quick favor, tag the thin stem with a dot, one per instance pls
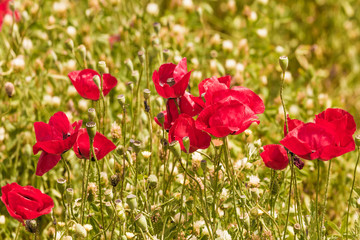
(289, 199)
(351, 191)
(83, 191)
(18, 231)
(317, 197)
(183, 187)
(322, 219)
(67, 169)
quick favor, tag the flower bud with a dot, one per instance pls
(130, 85)
(157, 27)
(102, 67)
(115, 179)
(104, 180)
(357, 140)
(284, 62)
(129, 64)
(80, 231)
(118, 167)
(91, 130)
(61, 184)
(136, 145)
(121, 99)
(141, 56)
(152, 181)
(82, 51)
(120, 150)
(297, 228)
(161, 118)
(92, 114)
(109, 209)
(203, 165)
(69, 44)
(97, 81)
(31, 225)
(254, 212)
(131, 201)
(9, 89)
(108, 194)
(175, 148)
(91, 192)
(166, 54)
(69, 195)
(140, 221)
(186, 142)
(147, 93)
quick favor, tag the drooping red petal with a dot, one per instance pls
(46, 163)
(60, 125)
(275, 156)
(180, 70)
(189, 104)
(109, 82)
(292, 124)
(84, 83)
(104, 146)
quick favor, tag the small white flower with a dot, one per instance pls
(60, 7)
(279, 49)
(146, 154)
(223, 235)
(88, 227)
(227, 45)
(71, 31)
(262, 32)
(240, 67)
(83, 105)
(27, 44)
(188, 4)
(2, 219)
(152, 8)
(253, 16)
(254, 181)
(230, 64)
(129, 235)
(2, 134)
(55, 101)
(18, 63)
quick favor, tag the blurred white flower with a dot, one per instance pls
(27, 44)
(152, 8)
(254, 181)
(83, 105)
(18, 63)
(262, 32)
(230, 64)
(55, 101)
(2, 219)
(227, 45)
(71, 31)
(223, 235)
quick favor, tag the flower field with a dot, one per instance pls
(179, 119)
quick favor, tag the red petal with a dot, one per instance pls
(180, 70)
(84, 83)
(275, 156)
(103, 145)
(109, 82)
(46, 163)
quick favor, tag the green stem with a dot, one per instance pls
(67, 169)
(289, 200)
(351, 191)
(18, 231)
(83, 194)
(317, 197)
(322, 219)
(183, 187)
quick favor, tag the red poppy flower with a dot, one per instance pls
(209, 86)
(190, 105)
(292, 123)
(172, 80)
(275, 156)
(314, 141)
(54, 138)
(232, 112)
(5, 10)
(25, 203)
(102, 145)
(167, 124)
(338, 119)
(184, 126)
(85, 86)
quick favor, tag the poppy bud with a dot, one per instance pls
(284, 62)
(9, 89)
(175, 148)
(357, 140)
(129, 64)
(61, 184)
(69, 195)
(157, 27)
(130, 85)
(141, 56)
(31, 225)
(97, 81)
(186, 142)
(92, 192)
(80, 231)
(104, 180)
(108, 194)
(115, 179)
(161, 118)
(147, 93)
(136, 145)
(91, 130)
(140, 221)
(69, 44)
(203, 165)
(254, 212)
(121, 99)
(152, 181)
(166, 54)
(82, 51)
(109, 209)
(120, 150)
(92, 114)
(102, 67)
(131, 201)
(297, 228)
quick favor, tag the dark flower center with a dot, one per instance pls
(170, 81)
(66, 135)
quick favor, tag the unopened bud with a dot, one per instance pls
(109, 208)
(115, 179)
(61, 184)
(130, 85)
(161, 118)
(357, 140)
(141, 222)
(80, 231)
(31, 225)
(284, 62)
(120, 150)
(152, 181)
(70, 44)
(92, 114)
(203, 165)
(108, 194)
(82, 51)
(121, 99)
(97, 81)
(102, 67)
(129, 64)
(69, 195)
(175, 148)
(186, 143)
(9, 89)
(104, 180)
(147, 93)
(141, 56)
(297, 228)
(157, 27)
(91, 130)
(131, 201)
(136, 145)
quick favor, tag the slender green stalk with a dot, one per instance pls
(67, 169)
(289, 200)
(351, 191)
(184, 182)
(322, 219)
(317, 197)
(150, 140)
(83, 189)
(18, 231)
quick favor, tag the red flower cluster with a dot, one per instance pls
(85, 86)
(329, 136)
(221, 111)
(5, 10)
(25, 203)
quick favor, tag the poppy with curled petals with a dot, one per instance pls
(85, 86)
(25, 203)
(209, 86)
(184, 126)
(54, 138)
(317, 141)
(291, 124)
(275, 157)
(102, 145)
(171, 80)
(5, 10)
(232, 111)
